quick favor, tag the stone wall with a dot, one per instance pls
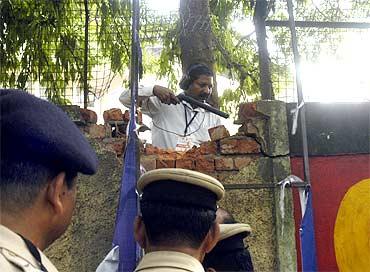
(248, 164)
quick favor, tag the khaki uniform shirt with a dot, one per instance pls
(15, 256)
(166, 261)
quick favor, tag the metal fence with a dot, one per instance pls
(333, 39)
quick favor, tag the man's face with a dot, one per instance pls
(201, 88)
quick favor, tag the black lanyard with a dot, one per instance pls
(34, 252)
(186, 120)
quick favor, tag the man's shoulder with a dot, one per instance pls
(15, 256)
(12, 262)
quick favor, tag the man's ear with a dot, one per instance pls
(212, 237)
(55, 191)
(139, 232)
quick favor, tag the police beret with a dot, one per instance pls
(231, 238)
(180, 187)
(35, 129)
(228, 230)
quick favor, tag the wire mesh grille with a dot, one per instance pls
(342, 49)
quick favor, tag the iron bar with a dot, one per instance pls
(302, 114)
(253, 186)
(86, 53)
(317, 24)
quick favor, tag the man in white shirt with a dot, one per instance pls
(178, 125)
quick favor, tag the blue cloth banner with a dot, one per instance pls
(129, 251)
(127, 209)
(307, 235)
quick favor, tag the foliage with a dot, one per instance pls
(44, 41)
(236, 55)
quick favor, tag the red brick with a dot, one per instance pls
(241, 162)
(149, 163)
(165, 155)
(126, 116)
(150, 149)
(165, 163)
(185, 164)
(249, 129)
(96, 131)
(112, 115)
(223, 163)
(218, 133)
(247, 111)
(89, 116)
(192, 154)
(208, 148)
(205, 164)
(239, 146)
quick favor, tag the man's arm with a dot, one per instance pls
(150, 98)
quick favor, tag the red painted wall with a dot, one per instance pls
(331, 177)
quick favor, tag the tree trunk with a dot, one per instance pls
(260, 13)
(195, 38)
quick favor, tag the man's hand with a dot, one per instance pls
(165, 95)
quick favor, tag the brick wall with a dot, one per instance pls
(249, 157)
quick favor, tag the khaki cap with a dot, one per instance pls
(228, 230)
(184, 176)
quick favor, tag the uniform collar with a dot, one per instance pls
(13, 243)
(169, 259)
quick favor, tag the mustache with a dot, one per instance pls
(204, 96)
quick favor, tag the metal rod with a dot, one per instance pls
(86, 54)
(253, 186)
(317, 24)
(302, 114)
(134, 78)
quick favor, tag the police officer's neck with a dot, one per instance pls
(196, 253)
(24, 224)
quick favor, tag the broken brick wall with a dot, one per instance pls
(255, 156)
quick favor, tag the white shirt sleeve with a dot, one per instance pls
(110, 262)
(218, 121)
(150, 103)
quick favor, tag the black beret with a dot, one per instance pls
(32, 128)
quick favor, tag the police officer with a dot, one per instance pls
(177, 224)
(42, 151)
(230, 253)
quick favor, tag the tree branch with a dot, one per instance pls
(231, 63)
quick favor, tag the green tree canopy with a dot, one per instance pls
(43, 41)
